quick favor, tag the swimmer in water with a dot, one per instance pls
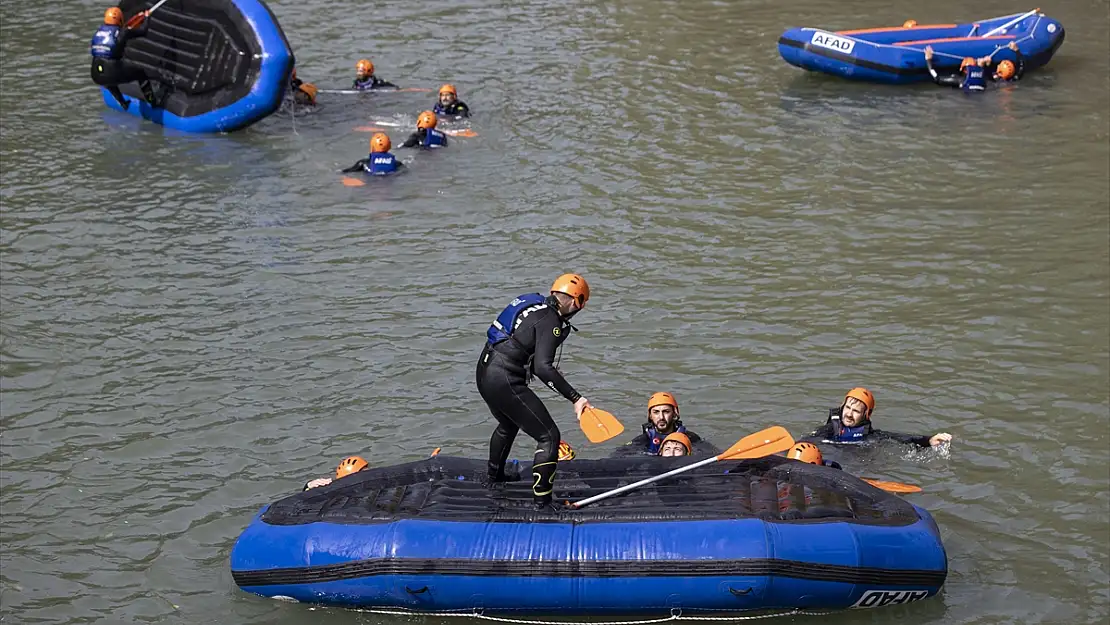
(365, 80)
(304, 93)
(380, 162)
(426, 135)
(972, 77)
(349, 466)
(449, 104)
(851, 423)
(1010, 71)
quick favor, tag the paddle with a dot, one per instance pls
(1010, 23)
(138, 18)
(454, 132)
(599, 426)
(435, 452)
(892, 487)
(352, 182)
(359, 91)
(770, 441)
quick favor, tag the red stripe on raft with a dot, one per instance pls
(949, 39)
(892, 28)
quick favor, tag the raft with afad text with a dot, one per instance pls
(434, 536)
(895, 55)
(224, 64)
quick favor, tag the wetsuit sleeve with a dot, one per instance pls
(1020, 63)
(385, 84)
(543, 363)
(948, 80)
(825, 431)
(412, 141)
(464, 110)
(907, 439)
(356, 167)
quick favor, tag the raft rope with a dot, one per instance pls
(676, 615)
(957, 56)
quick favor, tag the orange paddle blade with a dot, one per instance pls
(368, 129)
(464, 132)
(414, 90)
(764, 443)
(352, 182)
(435, 452)
(137, 19)
(599, 426)
(892, 487)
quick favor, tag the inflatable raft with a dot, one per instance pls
(896, 54)
(226, 64)
(734, 536)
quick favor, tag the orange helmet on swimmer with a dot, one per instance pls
(680, 437)
(806, 452)
(448, 89)
(573, 285)
(364, 67)
(909, 23)
(1005, 70)
(350, 465)
(380, 143)
(662, 399)
(113, 16)
(566, 452)
(426, 120)
(864, 396)
(968, 61)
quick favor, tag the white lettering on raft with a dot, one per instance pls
(878, 598)
(832, 42)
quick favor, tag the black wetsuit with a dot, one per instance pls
(972, 79)
(373, 82)
(418, 139)
(108, 68)
(827, 433)
(502, 378)
(458, 109)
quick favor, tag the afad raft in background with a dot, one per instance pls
(896, 54)
(227, 63)
(738, 535)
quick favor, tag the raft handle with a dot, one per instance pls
(739, 593)
(422, 590)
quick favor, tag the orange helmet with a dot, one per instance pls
(566, 452)
(662, 399)
(909, 23)
(966, 62)
(113, 16)
(573, 285)
(680, 437)
(448, 89)
(427, 119)
(364, 67)
(380, 143)
(1005, 70)
(354, 464)
(806, 452)
(864, 396)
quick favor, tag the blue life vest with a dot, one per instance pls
(104, 42)
(380, 164)
(434, 138)
(843, 434)
(363, 85)
(454, 109)
(502, 327)
(975, 80)
(653, 438)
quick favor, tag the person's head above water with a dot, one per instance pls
(113, 16)
(858, 405)
(448, 95)
(350, 465)
(426, 120)
(572, 292)
(663, 412)
(676, 444)
(967, 62)
(909, 23)
(806, 452)
(364, 68)
(1006, 70)
(380, 143)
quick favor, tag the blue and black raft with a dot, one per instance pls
(895, 54)
(433, 536)
(223, 64)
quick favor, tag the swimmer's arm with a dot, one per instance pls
(906, 439)
(1020, 63)
(543, 363)
(412, 141)
(464, 110)
(950, 80)
(356, 167)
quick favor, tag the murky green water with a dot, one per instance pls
(192, 326)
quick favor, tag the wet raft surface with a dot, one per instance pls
(455, 489)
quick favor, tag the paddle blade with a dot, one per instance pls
(368, 129)
(892, 487)
(435, 452)
(352, 182)
(413, 90)
(599, 426)
(465, 132)
(764, 443)
(137, 19)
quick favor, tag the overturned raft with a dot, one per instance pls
(432, 536)
(225, 64)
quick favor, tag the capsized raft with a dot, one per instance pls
(227, 62)
(896, 54)
(742, 535)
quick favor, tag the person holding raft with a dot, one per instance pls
(426, 135)
(851, 423)
(304, 93)
(522, 342)
(1010, 71)
(380, 162)
(971, 78)
(109, 70)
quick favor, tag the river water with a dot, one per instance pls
(194, 326)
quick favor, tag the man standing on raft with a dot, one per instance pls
(109, 70)
(522, 341)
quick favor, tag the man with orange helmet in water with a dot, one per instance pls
(851, 423)
(662, 420)
(380, 162)
(365, 80)
(449, 104)
(971, 78)
(109, 69)
(1010, 71)
(426, 135)
(521, 342)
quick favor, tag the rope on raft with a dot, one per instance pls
(676, 615)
